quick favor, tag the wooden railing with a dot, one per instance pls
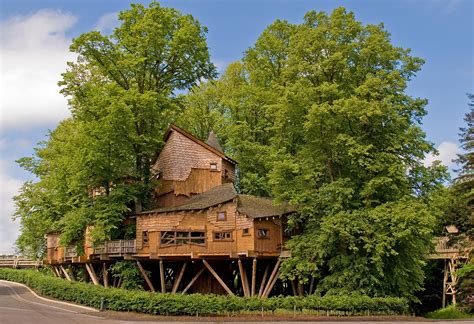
(12, 261)
(116, 247)
(443, 248)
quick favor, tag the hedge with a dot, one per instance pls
(198, 304)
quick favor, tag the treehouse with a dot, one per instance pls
(202, 236)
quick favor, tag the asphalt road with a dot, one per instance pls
(18, 305)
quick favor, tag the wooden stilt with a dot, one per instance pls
(178, 278)
(162, 277)
(71, 273)
(293, 287)
(66, 275)
(145, 276)
(311, 286)
(445, 281)
(270, 280)
(55, 272)
(105, 275)
(254, 276)
(208, 266)
(272, 284)
(193, 280)
(243, 279)
(264, 279)
(92, 274)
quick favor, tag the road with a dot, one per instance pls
(18, 305)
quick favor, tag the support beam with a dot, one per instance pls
(92, 274)
(70, 270)
(243, 279)
(105, 275)
(270, 280)
(66, 275)
(445, 282)
(145, 276)
(264, 281)
(179, 278)
(208, 266)
(55, 272)
(272, 284)
(162, 277)
(254, 276)
(193, 280)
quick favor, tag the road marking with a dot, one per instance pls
(47, 299)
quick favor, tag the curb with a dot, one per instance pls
(51, 300)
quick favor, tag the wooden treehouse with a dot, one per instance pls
(202, 237)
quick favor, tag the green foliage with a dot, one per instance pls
(177, 304)
(316, 114)
(121, 91)
(450, 312)
(129, 273)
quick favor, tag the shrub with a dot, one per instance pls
(450, 312)
(177, 304)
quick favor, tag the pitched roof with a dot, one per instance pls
(252, 206)
(258, 207)
(198, 141)
(213, 141)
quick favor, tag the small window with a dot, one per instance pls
(213, 166)
(145, 238)
(222, 236)
(262, 233)
(221, 216)
(246, 231)
(226, 173)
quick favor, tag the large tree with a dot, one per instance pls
(122, 96)
(317, 114)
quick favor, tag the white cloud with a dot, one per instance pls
(107, 23)
(9, 230)
(33, 54)
(447, 153)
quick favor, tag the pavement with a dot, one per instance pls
(20, 305)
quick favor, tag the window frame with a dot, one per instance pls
(248, 232)
(224, 239)
(145, 239)
(225, 216)
(181, 238)
(213, 166)
(267, 233)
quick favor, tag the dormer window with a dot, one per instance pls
(213, 166)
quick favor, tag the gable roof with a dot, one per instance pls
(252, 206)
(198, 141)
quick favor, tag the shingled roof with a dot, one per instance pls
(252, 206)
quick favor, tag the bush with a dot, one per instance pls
(450, 312)
(177, 304)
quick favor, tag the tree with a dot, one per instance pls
(317, 115)
(122, 96)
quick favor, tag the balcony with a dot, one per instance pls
(116, 247)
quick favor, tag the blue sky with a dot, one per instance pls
(35, 34)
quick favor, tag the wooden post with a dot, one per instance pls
(193, 280)
(66, 275)
(71, 273)
(208, 266)
(92, 274)
(55, 272)
(254, 276)
(105, 275)
(243, 279)
(311, 285)
(445, 282)
(270, 280)
(178, 278)
(300, 289)
(269, 290)
(143, 272)
(162, 277)
(293, 287)
(264, 279)
(454, 279)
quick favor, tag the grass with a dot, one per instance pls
(450, 312)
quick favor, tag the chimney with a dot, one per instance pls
(213, 141)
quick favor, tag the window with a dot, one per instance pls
(182, 237)
(221, 216)
(213, 166)
(222, 236)
(262, 233)
(145, 238)
(226, 173)
(246, 231)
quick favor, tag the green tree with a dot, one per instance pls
(122, 96)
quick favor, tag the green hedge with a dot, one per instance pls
(197, 304)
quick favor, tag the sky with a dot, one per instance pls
(35, 36)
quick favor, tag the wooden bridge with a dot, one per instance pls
(17, 262)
